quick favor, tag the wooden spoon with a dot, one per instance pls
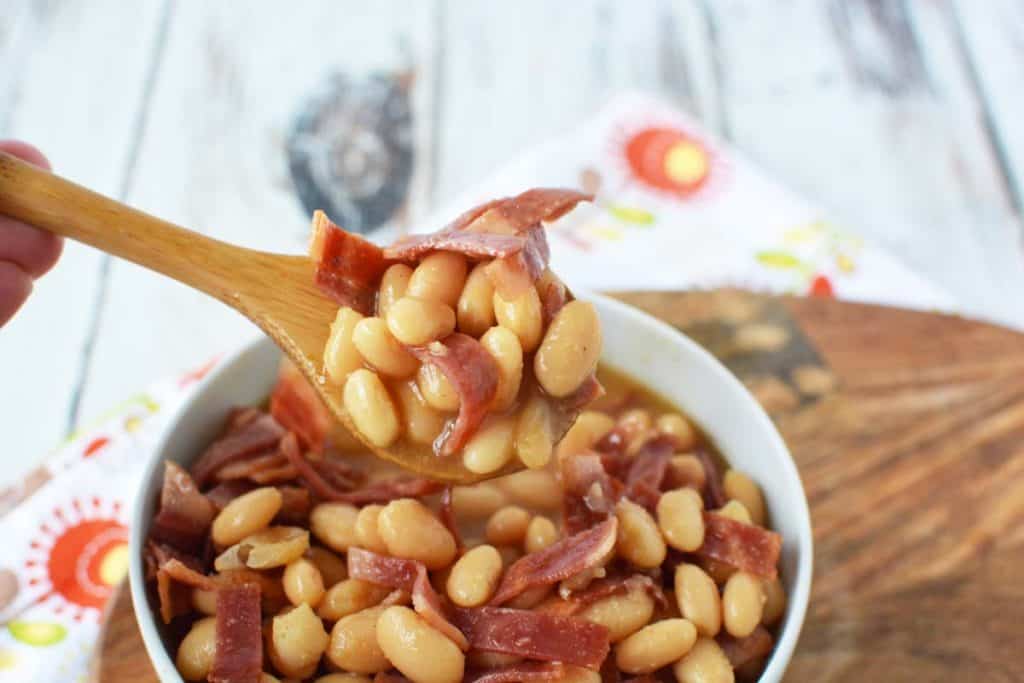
(275, 291)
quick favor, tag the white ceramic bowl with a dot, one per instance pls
(645, 348)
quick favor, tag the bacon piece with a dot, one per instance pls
(534, 635)
(499, 218)
(512, 275)
(238, 657)
(473, 374)
(743, 651)
(392, 489)
(295, 505)
(553, 295)
(225, 492)
(185, 514)
(253, 437)
(472, 244)
(647, 471)
(447, 515)
(296, 406)
(427, 604)
(596, 591)
(348, 267)
(253, 466)
(173, 577)
(614, 442)
(337, 473)
(521, 672)
(272, 596)
(157, 554)
(406, 575)
(562, 559)
(714, 491)
(739, 545)
(241, 416)
(589, 492)
(383, 570)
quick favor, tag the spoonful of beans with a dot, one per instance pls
(456, 354)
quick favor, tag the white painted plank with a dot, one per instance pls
(516, 74)
(868, 111)
(78, 91)
(213, 159)
(993, 34)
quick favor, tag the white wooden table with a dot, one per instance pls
(903, 118)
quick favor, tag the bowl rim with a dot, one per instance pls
(797, 601)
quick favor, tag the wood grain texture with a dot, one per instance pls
(72, 83)
(911, 461)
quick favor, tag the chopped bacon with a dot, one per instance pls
(553, 295)
(272, 596)
(472, 244)
(614, 442)
(647, 471)
(337, 473)
(238, 655)
(589, 391)
(512, 275)
(295, 505)
(348, 267)
(742, 546)
(250, 468)
(428, 605)
(389, 490)
(172, 579)
(564, 558)
(473, 373)
(383, 570)
(534, 635)
(742, 651)
(241, 416)
(253, 437)
(521, 672)
(406, 575)
(600, 589)
(498, 218)
(225, 492)
(447, 514)
(714, 491)
(185, 514)
(157, 554)
(589, 492)
(296, 406)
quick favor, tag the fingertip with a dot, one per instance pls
(15, 287)
(25, 151)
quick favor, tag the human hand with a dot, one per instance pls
(25, 252)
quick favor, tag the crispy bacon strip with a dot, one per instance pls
(534, 635)
(185, 514)
(238, 657)
(473, 374)
(600, 589)
(742, 651)
(297, 408)
(392, 489)
(647, 471)
(157, 554)
(739, 545)
(589, 492)
(447, 515)
(563, 559)
(253, 437)
(522, 672)
(225, 492)
(406, 575)
(504, 218)
(512, 275)
(348, 267)
(253, 466)
(714, 491)
(295, 505)
(172, 577)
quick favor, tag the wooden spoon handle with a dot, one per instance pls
(47, 201)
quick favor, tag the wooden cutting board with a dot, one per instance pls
(908, 429)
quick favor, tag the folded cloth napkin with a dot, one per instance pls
(674, 209)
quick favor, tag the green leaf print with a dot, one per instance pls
(780, 259)
(632, 215)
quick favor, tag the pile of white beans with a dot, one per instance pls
(331, 622)
(390, 395)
